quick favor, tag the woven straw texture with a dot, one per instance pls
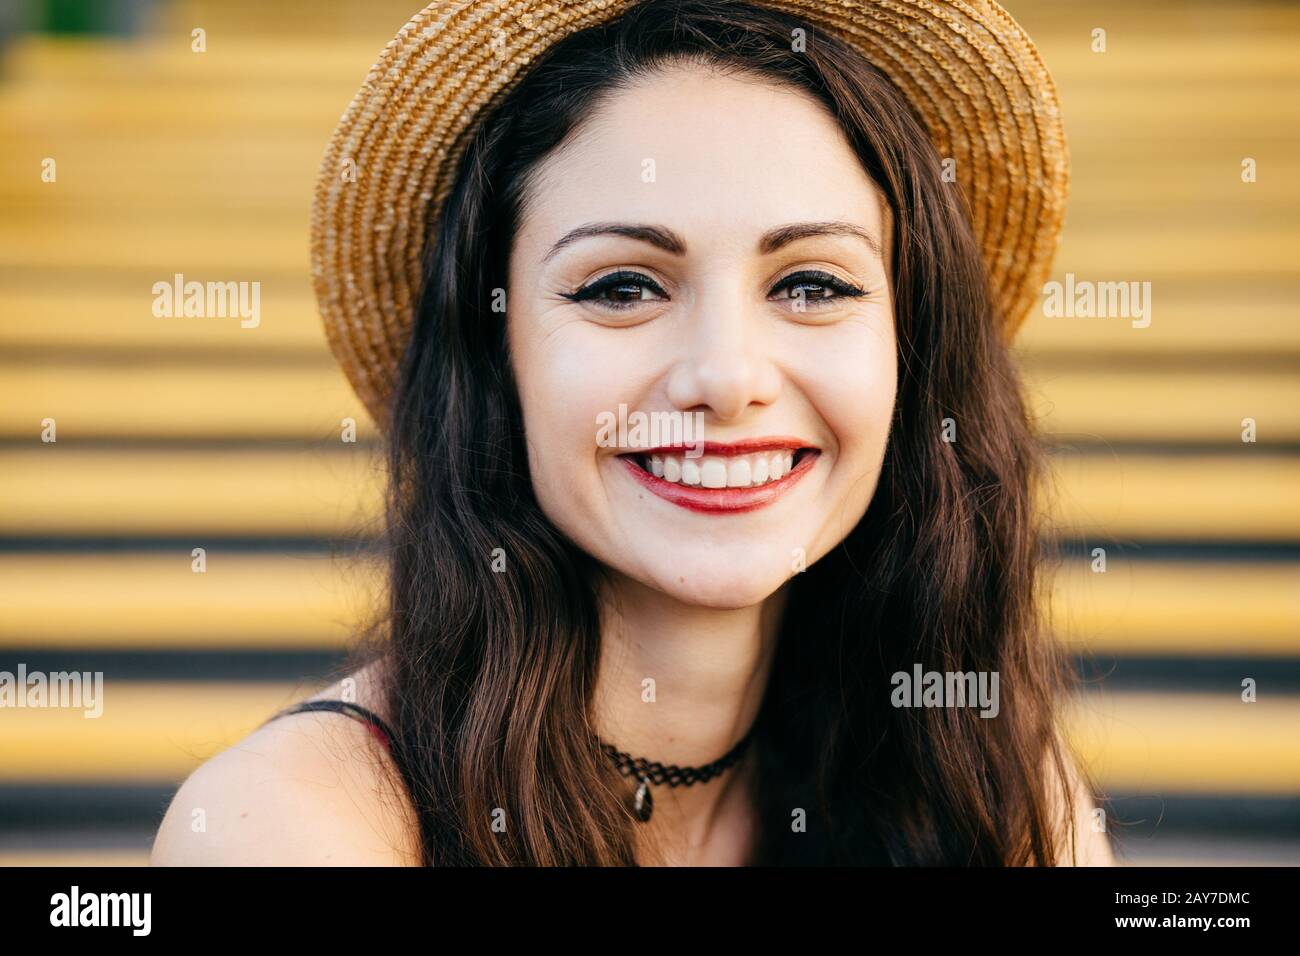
(967, 67)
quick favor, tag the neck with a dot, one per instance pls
(682, 684)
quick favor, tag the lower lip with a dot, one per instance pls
(722, 500)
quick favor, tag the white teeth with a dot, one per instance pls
(712, 471)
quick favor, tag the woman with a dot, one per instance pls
(726, 216)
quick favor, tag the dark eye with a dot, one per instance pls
(818, 286)
(625, 289)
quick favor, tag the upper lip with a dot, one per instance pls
(748, 446)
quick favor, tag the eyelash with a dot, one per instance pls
(616, 280)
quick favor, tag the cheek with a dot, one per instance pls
(567, 380)
(850, 375)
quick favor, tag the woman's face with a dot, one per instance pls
(732, 313)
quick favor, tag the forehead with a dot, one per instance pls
(706, 154)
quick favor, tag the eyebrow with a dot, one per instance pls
(669, 241)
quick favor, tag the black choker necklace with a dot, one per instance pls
(648, 772)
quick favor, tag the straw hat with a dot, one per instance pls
(966, 66)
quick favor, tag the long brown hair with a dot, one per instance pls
(489, 674)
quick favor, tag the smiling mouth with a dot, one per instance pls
(727, 483)
(717, 471)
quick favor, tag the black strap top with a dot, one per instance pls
(374, 723)
(809, 849)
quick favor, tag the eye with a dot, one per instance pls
(818, 286)
(625, 286)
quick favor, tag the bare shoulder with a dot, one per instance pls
(307, 789)
(1083, 842)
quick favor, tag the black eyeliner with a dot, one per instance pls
(817, 277)
(612, 281)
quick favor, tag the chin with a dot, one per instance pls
(708, 588)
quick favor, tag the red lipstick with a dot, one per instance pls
(725, 500)
(748, 446)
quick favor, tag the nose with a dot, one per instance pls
(724, 365)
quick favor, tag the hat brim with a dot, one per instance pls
(967, 68)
